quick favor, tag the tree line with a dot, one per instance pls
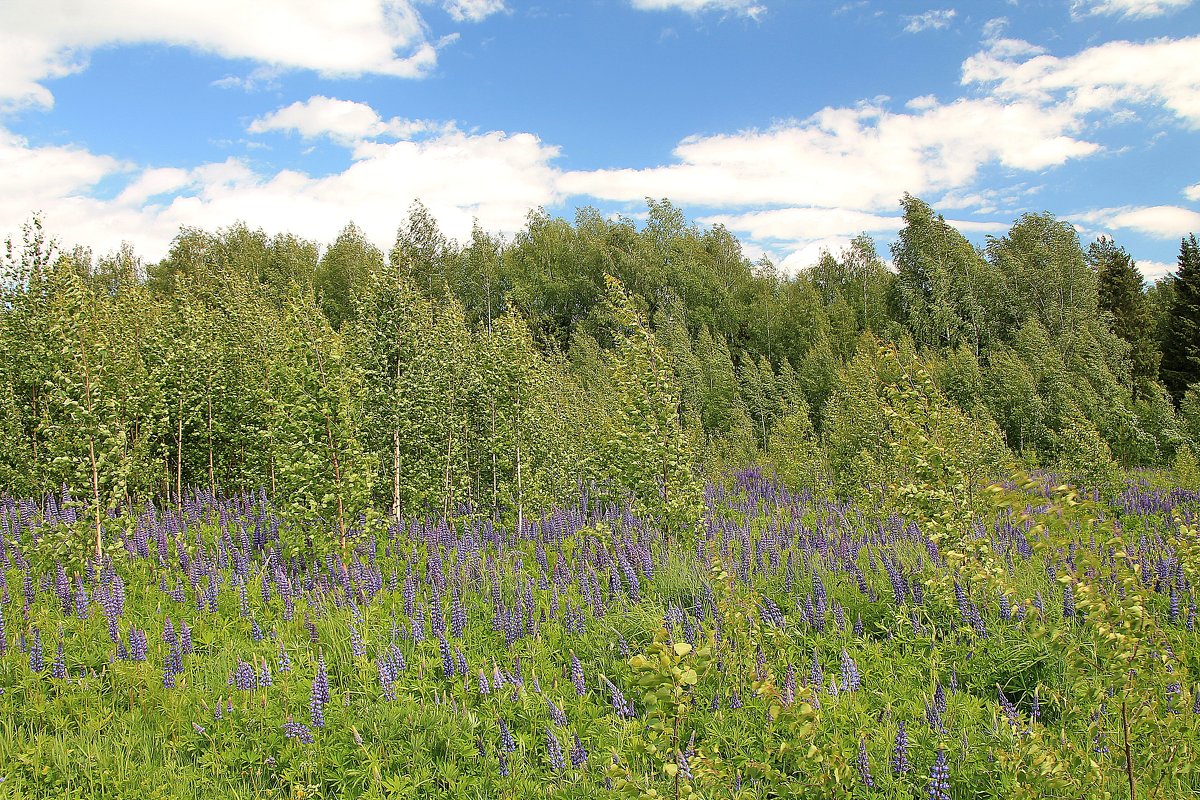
(501, 375)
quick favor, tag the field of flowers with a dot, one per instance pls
(789, 647)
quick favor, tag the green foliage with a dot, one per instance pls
(888, 428)
(648, 455)
(1181, 334)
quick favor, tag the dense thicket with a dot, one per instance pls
(501, 374)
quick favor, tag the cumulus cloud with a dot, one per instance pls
(1164, 222)
(1192, 192)
(343, 121)
(45, 39)
(934, 19)
(861, 158)
(494, 177)
(1120, 73)
(473, 10)
(1154, 270)
(1132, 9)
(747, 8)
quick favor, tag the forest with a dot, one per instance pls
(602, 507)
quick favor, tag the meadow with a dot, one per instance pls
(788, 646)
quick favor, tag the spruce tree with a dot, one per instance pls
(1120, 286)
(1181, 345)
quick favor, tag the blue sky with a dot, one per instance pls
(796, 124)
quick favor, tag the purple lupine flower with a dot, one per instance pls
(386, 678)
(1068, 601)
(623, 708)
(244, 679)
(460, 661)
(256, 632)
(503, 764)
(58, 670)
(507, 743)
(817, 676)
(298, 731)
(851, 680)
(449, 669)
(900, 764)
(577, 675)
(556, 714)
(316, 710)
(735, 700)
(939, 779)
(36, 662)
(578, 753)
(264, 675)
(789, 684)
(285, 661)
(485, 688)
(1010, 711)
(458, 614)
(681, 762)
(198, 728)
(81, 599)
(357, 649)
(185, 639)
(138, 646)
(864, 765)
(554, 752)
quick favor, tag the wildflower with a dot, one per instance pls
(577, 675)
(185, 639)
(864, 765)
(138, 646)
(900, 764)
(58, 670)
(578, 753)
(851, 680)
(939, 779)
(681, 762)
(507, 743)
(36, 662)
(556, 714)
(244, 678)
(554, 752)
(298, 731)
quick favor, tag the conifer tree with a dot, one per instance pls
(1121, 294)
(1181, 343)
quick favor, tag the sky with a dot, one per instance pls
(796, 124)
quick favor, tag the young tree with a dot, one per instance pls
(1121, 294)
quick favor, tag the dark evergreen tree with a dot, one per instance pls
(1181, 343)
(1120, 285)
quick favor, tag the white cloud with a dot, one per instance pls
(747, 8)
(934, 19)
(45, 39)
(1154, 270)
(1164, 222)
(494, 177)
(1133, 9)
(861, 158)
(1192, 192)
(1161, 71)
(473, 10)
(343, 121)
